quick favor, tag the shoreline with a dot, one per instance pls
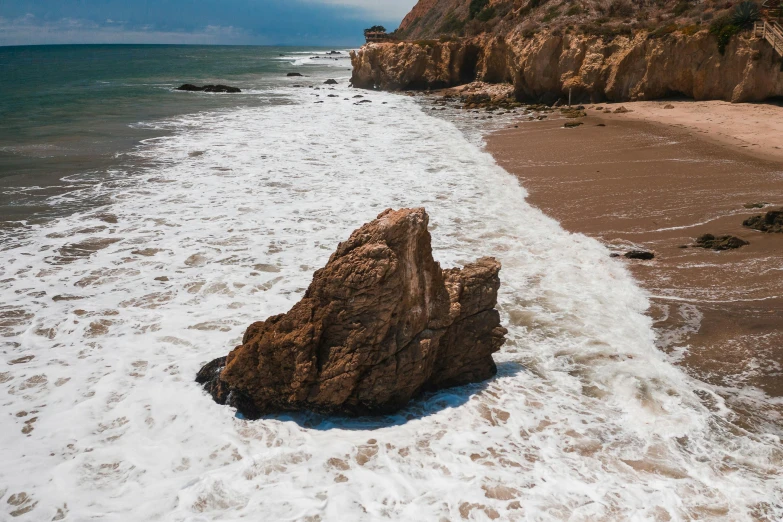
(647, 180)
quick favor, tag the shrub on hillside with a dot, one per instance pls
(681, 7)
(452, 24)
(723, 29)
(745, 14)
(486, 15)
(476, 6)
(621, 8)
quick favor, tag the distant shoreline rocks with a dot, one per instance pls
(640, 254)
(189, 87)
(771, 222)
(712, 242)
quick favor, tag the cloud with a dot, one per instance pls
(384, 10)
(28, 30)
(284, 22)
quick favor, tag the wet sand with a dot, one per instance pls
(641, 185)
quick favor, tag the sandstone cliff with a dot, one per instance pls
(545, 66)
(380, 323)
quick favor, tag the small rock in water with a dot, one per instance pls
(755, 205)
(772, 221)
(293, 74)
(208, 88)
(380, 324)
(639, 254)
(572, 124)
(720, 242)
(330, 82)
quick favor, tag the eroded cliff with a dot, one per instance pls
(545, 66)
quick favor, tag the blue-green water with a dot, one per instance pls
(76, 109)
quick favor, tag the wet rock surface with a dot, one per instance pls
(772, 221)
(720, 242)
(640, 254)
(379, 324)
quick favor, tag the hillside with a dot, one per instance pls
(457, 18)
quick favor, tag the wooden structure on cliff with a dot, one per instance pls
(772, 32)
(377, 36)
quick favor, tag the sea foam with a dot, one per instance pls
(120, 307)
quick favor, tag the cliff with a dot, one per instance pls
(543, 67)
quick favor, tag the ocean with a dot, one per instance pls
(145, 229)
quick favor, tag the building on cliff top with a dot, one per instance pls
(377, 33)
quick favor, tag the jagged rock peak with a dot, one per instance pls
(379, 324)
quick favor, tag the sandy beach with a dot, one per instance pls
(655, 179)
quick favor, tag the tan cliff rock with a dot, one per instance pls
(379, 324)
(546, 66)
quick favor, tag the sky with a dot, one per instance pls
(238, 22)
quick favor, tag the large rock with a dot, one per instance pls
(379, 324)
(772, 221)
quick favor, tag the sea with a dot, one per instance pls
(144, 228)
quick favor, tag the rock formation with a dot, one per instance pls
(772, 221)
(208, 88)
(544, 67)
(712, 242)
(640, 254)
(379, 324)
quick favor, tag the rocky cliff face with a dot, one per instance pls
(544, 67)
(380, 323)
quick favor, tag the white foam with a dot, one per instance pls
(586, 420)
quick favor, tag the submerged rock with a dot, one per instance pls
(294, 75)
(379, 324)
(720, 242)
(208, 88)
(772, 221)
(330, 82)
